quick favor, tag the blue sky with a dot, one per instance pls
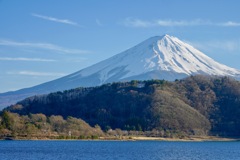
(44, 40)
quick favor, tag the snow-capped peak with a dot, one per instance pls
(161, 54)
(161, 57)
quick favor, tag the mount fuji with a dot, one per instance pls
(161, 57)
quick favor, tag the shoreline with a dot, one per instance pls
(135, 138)
(190, 139)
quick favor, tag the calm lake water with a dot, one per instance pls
(118, 150)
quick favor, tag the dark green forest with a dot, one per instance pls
(197, 105)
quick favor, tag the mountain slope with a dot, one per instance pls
(161, 57)
(125, 105)
(194, 105)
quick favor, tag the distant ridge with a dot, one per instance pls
(161, 57)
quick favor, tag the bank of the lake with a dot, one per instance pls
(193, 139)
(130, 138)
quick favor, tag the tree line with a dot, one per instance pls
(197, 105)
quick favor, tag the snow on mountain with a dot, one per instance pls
(164, 57)
(161, 57)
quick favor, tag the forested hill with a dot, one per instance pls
(197, 105)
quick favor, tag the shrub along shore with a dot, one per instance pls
(40, 127)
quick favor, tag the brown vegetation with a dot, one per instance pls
(197, 105)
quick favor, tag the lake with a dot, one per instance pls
(118, 150)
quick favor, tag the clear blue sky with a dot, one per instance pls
(46, 39)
